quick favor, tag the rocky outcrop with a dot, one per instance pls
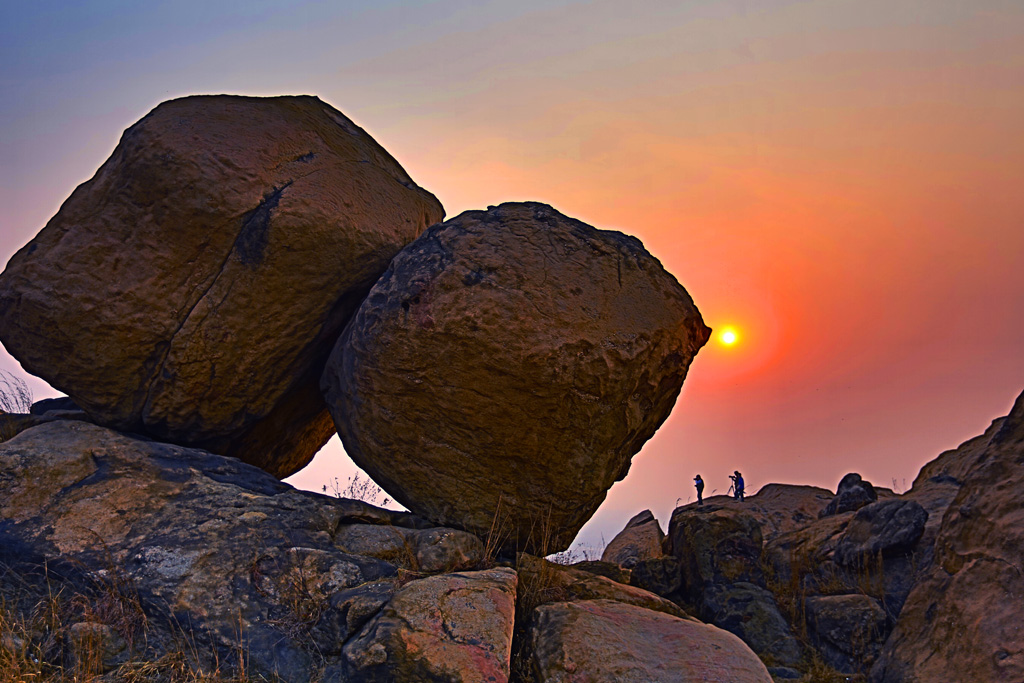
(852, 494)
(187, 542)
(719, 551)
(963, 620)
(193, 288)
(640, 539)
(501, 374)
(603, 640)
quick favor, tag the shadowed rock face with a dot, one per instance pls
(193, 288)
(963, 620)
(506, 368)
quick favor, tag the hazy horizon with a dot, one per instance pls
(839, 181)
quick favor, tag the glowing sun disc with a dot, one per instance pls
(728, 336)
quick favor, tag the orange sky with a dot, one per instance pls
(841, 181)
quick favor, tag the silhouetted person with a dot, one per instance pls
(737, 484)
(699, 483)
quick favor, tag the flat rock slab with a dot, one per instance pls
(503, 372)
(193, 288)
(603, 640)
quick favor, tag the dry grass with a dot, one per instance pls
(39, 641)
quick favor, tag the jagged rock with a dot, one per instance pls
(852, 494)
(640, 539)
(603, 640)
(848, 630)
(185, 541)
(451, 627)
(963, 620)
(501, 374)
(193, 288)
(888, 527)
(778, 508)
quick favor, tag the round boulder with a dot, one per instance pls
(502, 373)
(193, 288)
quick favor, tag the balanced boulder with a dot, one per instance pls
(193, 288)
(502, 373)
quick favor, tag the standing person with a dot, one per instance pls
(737, 480)
(699, 483)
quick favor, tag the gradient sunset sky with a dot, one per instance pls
(840, 181)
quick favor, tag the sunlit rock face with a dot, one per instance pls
(502, 373)
(193, 288)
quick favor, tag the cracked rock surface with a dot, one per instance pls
(505, 369)
(205, 547)
(193, 288)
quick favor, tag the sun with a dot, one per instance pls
(728, 336)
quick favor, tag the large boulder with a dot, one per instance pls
(847, 630)
(640, 539)
(888, 527)
(502, 373)
(193, 288)
(963, 620)
(603, 640)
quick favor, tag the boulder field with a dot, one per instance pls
(895, 588)
(157, 559)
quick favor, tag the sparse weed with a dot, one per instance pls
(358, 487)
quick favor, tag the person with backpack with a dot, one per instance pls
(699, 483)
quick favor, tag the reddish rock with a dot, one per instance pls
(451, 627)
(603, 640)
(503, 372)
(193, 288)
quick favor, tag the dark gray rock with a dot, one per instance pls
(847, 630)
(661, 575)
(888, 527)
(852, 494)
(751, 613)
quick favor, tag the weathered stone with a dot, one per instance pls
(640, 539)
(184, 541)
(963, 620)
(848, 630)
(503, 371)
(450, 627)
(603, 640)
(715, 546)
(605, 569)
(660, 575)
(751, 613)
(542, 581)
(852, 494)
(887, 527)
(94, 648)
(193, 288)
(421, 550)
